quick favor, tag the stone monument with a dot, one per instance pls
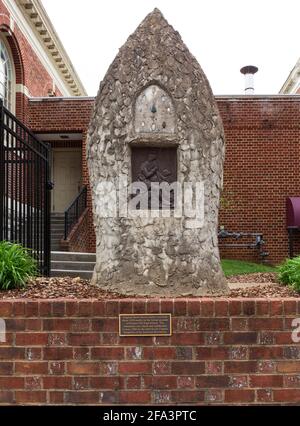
(156, 127)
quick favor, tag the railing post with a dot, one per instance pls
(66, 224)
(47, 222)
(2, 171)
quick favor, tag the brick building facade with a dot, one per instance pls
(262, 136)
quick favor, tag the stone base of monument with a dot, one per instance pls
(133, 285)
(150, 351)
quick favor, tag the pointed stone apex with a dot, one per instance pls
(155, 16)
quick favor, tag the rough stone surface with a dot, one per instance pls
(139, 255)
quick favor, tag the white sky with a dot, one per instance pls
(223, 35)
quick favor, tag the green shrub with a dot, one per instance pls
(289, 273)
(16, 266)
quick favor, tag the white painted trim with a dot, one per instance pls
(20, 88)
(37, 46)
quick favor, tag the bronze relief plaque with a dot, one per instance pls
(154, 165)
(145, 325)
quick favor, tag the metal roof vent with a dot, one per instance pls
(249, 71)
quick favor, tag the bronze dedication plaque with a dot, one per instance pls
(145, 325)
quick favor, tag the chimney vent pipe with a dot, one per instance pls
(249, 72)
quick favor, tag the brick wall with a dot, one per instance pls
(29, 70)
(61, 115)
(221, 351)
(261, 167)
(78, 240)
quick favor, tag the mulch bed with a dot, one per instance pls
(77, 288)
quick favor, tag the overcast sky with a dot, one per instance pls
(223, 35)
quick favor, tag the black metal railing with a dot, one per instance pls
(24, 188)
(73, 213)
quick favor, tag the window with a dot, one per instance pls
(6, 77)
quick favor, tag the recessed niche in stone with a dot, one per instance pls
(151, 165)
(154, 112)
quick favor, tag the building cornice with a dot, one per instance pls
(292, 83)
(62, 67)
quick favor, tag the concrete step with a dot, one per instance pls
(72, 266)
(62, 256)
(73, 274)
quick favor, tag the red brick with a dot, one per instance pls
(286, 395)
(19, 309)
(57, 382)
(57, 353)
(139, 307)
(259, 324)
(31, 368)
(85, 308)
(31, 339)
(56, 397)
(212, 353)
(239, 395)
(188, 367)
(187, 396)
(207, 308)
(212, 381)
(58, 309)
(83, 368)
(262, 307)
(107, 353)
(240, 367)
(290, 307)
(45, 309)
(112, 308)
(194, 307)
(82, 397)
(103, 383)
(30, 397)
(6, 309)
(235, 338)
(276, 307)
(6, 397)
(105, 325)
(248, 307)
(180, 307)
(235, 308)
(188, 339)
(269, 381)
(6, 368)
(265, 352)
(288, 367)
(32, 309)
(135, 367)
(33, 324)
(126, 306)
(98, 308)
(167, 306)
(11, 353)
(135, 397)
(221, 308)
(72, 308)
(7, 383)
(83, 339)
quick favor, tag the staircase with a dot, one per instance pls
(66, 264)
(57, 230)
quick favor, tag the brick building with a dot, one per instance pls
(39, 85)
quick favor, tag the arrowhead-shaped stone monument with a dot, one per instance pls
(156, 123)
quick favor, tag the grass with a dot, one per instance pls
(238, 267)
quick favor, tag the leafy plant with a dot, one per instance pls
(289, 273)
(16, 266)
